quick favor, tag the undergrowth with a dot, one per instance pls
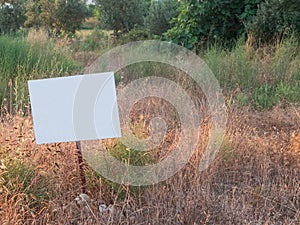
(21, 61)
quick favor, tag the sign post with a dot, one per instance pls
(81, 169)
(75, 108)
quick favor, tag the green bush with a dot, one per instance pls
(235, 68)
(267, 75)
(136, 34)
(205, 21)
(97, 40)
(264, 97)
(12, 16)
(121, 16)
(243, 99)
(288, 92)
(285, 61)
(60, 17)
(274, 19)
(160, 15)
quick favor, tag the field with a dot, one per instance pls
(254, 178)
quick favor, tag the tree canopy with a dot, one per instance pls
(206, 20)
(121, 15)
(12, 15)
(56, 15)
(160, 15)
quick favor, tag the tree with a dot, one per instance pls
(12, 15)
(70, 14)
(33, 11)
(120, 15)
(56, 15)
(274, 18)
(201, 21)
(160, 15)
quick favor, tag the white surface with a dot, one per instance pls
(74, 108)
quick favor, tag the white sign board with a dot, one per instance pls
(74, 108)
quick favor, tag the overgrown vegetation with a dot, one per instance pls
(251, 46)
(275, 19)
(200, 22)
(59, 17)
(267, 75)
(160, 16)
(21, 61)
(121, 15)
(20, 179)
(254, 179)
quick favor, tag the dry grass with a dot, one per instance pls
(39, 36)
(253, 180)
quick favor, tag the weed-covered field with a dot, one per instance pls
(254, 178)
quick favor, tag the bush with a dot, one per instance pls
(205, 21)
(136, 34)
(97, 40)
(264, 75)
(120, 15)
(264, 97)
(12, 17)
(274, 19)
(160, 15)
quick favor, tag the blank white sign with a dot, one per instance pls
(74, 108)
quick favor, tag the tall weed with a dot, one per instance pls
(21, 61)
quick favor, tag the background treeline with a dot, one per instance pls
(191, 23)
(252, 46)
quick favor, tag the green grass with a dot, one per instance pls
(21, 61)
(265, 76)
(258, 76)
(21, 178)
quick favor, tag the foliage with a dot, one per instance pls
(20, 178)
(274, 18)
(97, 40)
(20, 61)
(160, 15)
(92, 11)
(120, 15)
(262, 75)
(135, 35)
(57, 16)
(12, 16)
(70, 14)
(264, 97)
(90, 23)
(203, 21)
(242, 99)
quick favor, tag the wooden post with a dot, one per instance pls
(81, 169)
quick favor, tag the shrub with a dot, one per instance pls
(137, 34)
(264, 97)
(160, 15)
(205, 21)
(12, 17)
(274, 19)
(60, 17)
(97, 40)
(120, 15)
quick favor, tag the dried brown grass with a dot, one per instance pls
(253, 180)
